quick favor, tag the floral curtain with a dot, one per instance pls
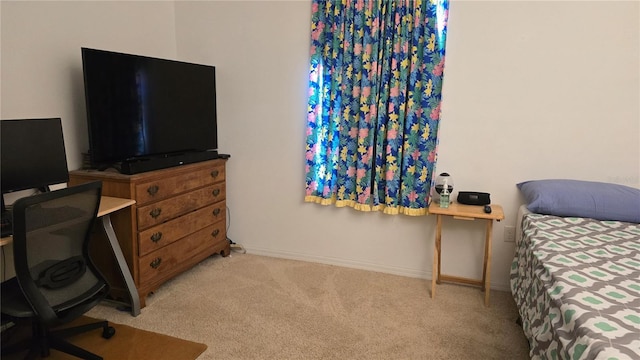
(374, 103)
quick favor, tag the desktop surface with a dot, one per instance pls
(108, 205)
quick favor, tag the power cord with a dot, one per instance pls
(234, 247)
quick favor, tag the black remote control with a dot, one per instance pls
(487, 209)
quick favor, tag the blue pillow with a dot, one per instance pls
(588, 199)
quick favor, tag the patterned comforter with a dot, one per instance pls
(576, 282)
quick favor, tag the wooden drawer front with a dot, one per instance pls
(164, 188)
(168, 260)
(164, 234)
(164, 210)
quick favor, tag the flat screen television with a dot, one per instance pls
(146, 113)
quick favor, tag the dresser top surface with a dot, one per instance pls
(113, 174)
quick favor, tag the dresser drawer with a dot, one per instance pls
(163, 188)
(164, 262)
(164, 234)
(164, 210)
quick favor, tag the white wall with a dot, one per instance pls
(532, 90)
(41, 66)
(261, 50)
(540, 90)
(41, 63)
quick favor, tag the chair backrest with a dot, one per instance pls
(51, 252)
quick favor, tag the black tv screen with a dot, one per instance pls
(140, 107)
(33, 154)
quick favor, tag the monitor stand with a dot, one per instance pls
(44, 189)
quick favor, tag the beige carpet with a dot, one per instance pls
(253, 307)
(128, 343)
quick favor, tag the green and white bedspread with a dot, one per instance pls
(576, 282)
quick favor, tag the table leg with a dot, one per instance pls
(439, 241)
(435, 273)
(486, 278)
(484, 259)
(122, 264)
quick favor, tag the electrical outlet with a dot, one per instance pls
(509, 234)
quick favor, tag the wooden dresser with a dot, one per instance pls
(179, 219)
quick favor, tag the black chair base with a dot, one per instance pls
(43, 340)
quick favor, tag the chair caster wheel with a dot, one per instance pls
(108, 332)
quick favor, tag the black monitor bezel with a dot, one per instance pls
(36, 149)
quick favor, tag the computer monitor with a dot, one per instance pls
(33, 155)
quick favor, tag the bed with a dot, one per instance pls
(576, 279)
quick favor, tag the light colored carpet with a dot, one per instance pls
(253, 307)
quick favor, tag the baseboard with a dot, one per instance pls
(394, 270)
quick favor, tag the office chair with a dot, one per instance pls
(56, 282)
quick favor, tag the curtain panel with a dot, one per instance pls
(375, 86)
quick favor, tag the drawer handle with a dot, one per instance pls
(216, 192)
(215, 173)
(216, 211)
(156, 237)
(153, 190)
(215, 233)
(156, 262)
(155, 212)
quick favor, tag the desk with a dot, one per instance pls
(109, 205)
(464, 212)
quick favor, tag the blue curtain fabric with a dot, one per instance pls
(375, 86)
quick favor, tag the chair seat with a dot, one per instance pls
(13, 301)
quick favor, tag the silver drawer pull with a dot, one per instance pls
(155, 212)
(216, 211)
(215, 173)
(152, 190)
(215, 233)
(216, 192)
(156, 237)
(156, 262)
